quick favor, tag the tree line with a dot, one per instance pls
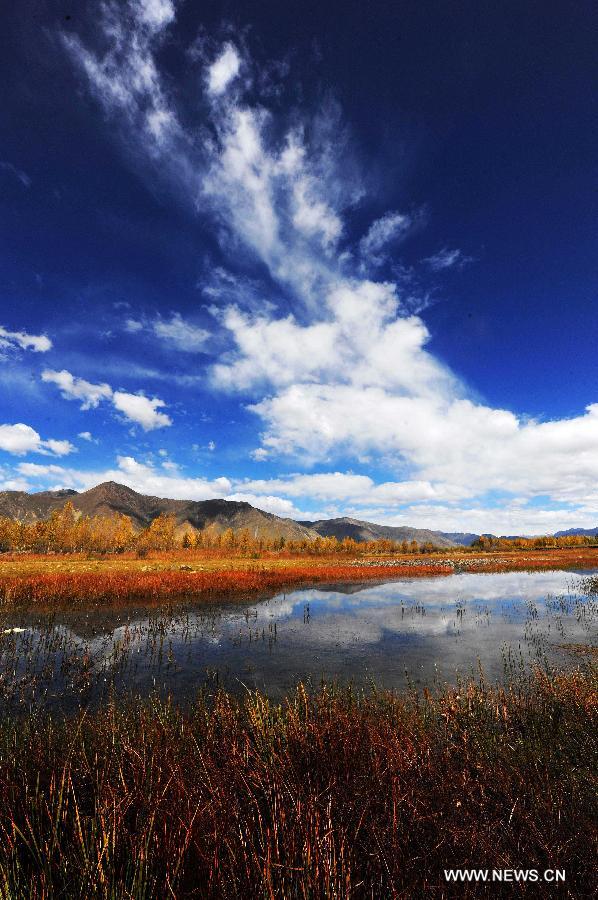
(488, 542)
(67, 531)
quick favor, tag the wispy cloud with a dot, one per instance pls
(126, 80)
(18, 173)
(389, 229)
(336, 364)
(176, 332)
(181, 334)
(447, 259)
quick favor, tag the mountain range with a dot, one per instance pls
(110, 497)
(369, 531)
(588, 532)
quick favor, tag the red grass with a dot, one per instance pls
(278, 571)
(323, 797)
(71, 587)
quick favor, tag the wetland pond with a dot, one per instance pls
(421, 631)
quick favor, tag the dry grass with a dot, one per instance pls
(161, 585)
(209, 575)
(326, 796)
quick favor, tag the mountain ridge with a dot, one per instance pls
(113, 497)
(587, 532)
(360, 530)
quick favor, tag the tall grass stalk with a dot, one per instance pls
(332, 794)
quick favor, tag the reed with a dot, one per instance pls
(328, 795)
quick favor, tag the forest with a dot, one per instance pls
(67, 531)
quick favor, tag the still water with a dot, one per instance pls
(424, 631)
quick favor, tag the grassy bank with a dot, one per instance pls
(325, 796)
(38, 579)
(214, 584)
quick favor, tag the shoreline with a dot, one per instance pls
(51, 579)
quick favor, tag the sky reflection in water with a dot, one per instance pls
(424, 631)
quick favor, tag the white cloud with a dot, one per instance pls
(133, 326)
(223, 71)
(73, 388)
(139, 476)
(509, 520)
(85, 435)
(154, 13)
(35, 470)
(14, 484)
(39, 343)
(455, 442)
(135, 407)
(344, 369)
(343, 487)
(145, 479)
(362, 342)
(274, 351)
(58, 448)
(269, 503)
(142, 410)
(20, 439)
(338, 493)
(181, 334)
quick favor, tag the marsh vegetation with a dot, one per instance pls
(351, 736)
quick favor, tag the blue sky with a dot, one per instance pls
(331, 260)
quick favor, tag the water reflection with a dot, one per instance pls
(421, 631)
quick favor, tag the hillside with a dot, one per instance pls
(588, 532)
(369, 531)
(464, 538)
(111, 497)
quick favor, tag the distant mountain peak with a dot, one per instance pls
(359, 530)
(113, 497)
(111, 488)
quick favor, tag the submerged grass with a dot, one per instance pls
(329, 795)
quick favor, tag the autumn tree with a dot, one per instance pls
(159, 535)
